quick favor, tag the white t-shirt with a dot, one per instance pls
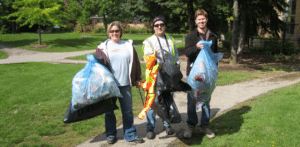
(119, 58)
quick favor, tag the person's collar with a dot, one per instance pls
(203, 31)
(160, 36)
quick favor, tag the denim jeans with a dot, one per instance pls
(192, 114)
(151, 120)
(127, 116)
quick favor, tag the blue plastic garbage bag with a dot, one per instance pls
(92, 84)
(205, 66)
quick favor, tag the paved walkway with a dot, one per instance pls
(223, 98)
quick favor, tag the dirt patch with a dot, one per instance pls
(251, 62)
(38, 46)
(290, 77)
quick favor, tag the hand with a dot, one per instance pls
(199, 46)
(138, 84)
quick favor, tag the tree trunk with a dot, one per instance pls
(242, 35)
(104, 21)
(40, 38)
(233, 59)
(13, 27)
(229, 26)
(191, 19)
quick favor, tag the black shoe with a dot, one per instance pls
(150, 135)
(111, 140)
(169, 130)
(138, 140)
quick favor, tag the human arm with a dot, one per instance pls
(191, 50)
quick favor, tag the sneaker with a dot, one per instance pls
(111, 140)
(188, 131)
(169, 130)
(208, 132)
(138, 140)
(150, 135)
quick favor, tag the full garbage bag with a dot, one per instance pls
(92, 87)
(89, 111)
(165, 107)
(170, 74)
(205, 66)
(92, 84)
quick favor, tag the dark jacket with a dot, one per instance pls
(191, 50)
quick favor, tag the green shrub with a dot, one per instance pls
(226, 45)
(274, 46)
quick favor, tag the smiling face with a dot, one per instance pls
(159, 28)
(115, 34)
(201, 21)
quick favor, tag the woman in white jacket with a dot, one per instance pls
(125, 67)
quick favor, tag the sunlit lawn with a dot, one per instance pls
(269, 120)
(63, 42)
(33, 100)
(3, 55)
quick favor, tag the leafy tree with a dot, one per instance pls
(7, 25)
(40, 12)
(109, 10)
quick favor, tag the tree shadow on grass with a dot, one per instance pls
(75, 43)
(136, 41)
(225, 124)
(17, 43)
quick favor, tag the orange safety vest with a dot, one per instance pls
(149, 84)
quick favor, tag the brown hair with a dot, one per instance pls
(200, 12)
(114, 23)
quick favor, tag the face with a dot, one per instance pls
(201, 21)
(159, 28)
(114, 34)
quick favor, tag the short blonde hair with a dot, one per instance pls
(114, 23)
(200, 12)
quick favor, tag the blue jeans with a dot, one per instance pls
(151, 120)
(127, 115)
(192, 115)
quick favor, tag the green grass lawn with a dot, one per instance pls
(63, 42)
(3, 55)
(33, 100)
(269, 120)
(67, 42)
(231, 77)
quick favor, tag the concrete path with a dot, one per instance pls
(17, 55)
(223, 98)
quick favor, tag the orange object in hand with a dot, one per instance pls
(147, 105)
(150, 61)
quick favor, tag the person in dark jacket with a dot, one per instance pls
(192, 49)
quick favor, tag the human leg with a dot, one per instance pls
(150, 123)
(127, 115)
(192, 119)
(192, 114)
(205, 117)
(110, 126)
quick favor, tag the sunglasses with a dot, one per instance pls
(161, 25)
(114, 31)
